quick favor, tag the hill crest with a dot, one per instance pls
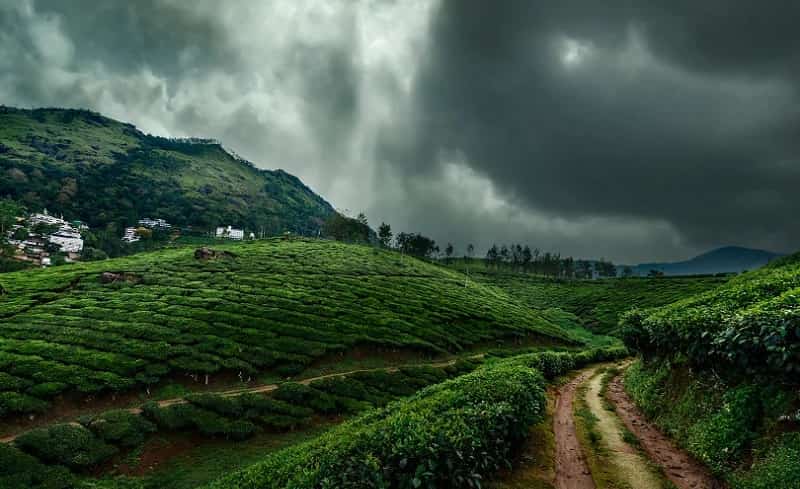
(87, 166)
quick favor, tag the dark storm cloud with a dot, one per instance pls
(633, 130)
(569, 109)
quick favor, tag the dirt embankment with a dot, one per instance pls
(680, 468)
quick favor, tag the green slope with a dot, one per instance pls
(276, 304)
(719, 373)
(751, 324)
(599, 303)
(102, 171)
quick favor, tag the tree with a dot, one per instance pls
(362, 218)
(568, 267)
(655, 273)
(416, 244)
(448, 252)
(584, 269)
(627, 272)
(504, 254)
(93, 254)
(527, 256)
(385, 235)
(606, 268)
(493, 256)
(470, 250)
(9, 211)
(342, 228)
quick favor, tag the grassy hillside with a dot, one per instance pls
(268, 305)
(720, 374)
(599, 303)
(102, 171)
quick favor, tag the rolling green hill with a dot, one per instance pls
(599, 303)
(266, 305)
(89, 167)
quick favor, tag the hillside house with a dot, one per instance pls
(154, 223)
(130, 235)
(230, 232)
(67, 237)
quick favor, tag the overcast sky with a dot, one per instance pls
(624, 129)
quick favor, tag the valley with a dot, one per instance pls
(316, 353)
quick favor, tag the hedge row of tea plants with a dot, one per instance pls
(268, 305)
(450, 435)
(293, 404)
(97, 438)
(747, 433)
(19, 470)
(749, 326)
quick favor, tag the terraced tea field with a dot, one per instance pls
(274, 305)
(599, 303)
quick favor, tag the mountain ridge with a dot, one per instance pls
(87, 166)
(725, 259)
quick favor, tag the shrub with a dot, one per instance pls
(65, 444)
(776, 468)
(16, 403)
(18, 470)
(121, 428)
(448, 435)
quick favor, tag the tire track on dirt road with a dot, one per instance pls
(572, 471)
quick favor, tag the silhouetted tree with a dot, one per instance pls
(385, 235)
(342, 228)
(493, 256)
(416, 244)
(584, 269)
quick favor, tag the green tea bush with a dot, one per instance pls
(776, 467)
(15, 403)
(18, 470)
(189, 417)
(121, 428)
(732, 428)
(448, 435)
(751, 325)
(73, 446)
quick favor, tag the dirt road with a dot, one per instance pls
(572, 472)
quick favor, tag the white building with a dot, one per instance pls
(67, 237)
(230, 232)
(130, 235)
(154, 223)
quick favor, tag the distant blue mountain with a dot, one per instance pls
(729, 259)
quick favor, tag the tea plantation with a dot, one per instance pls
(751, 325)
(270, 305)
(599, 303)
(450, 435)
(719, 373)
